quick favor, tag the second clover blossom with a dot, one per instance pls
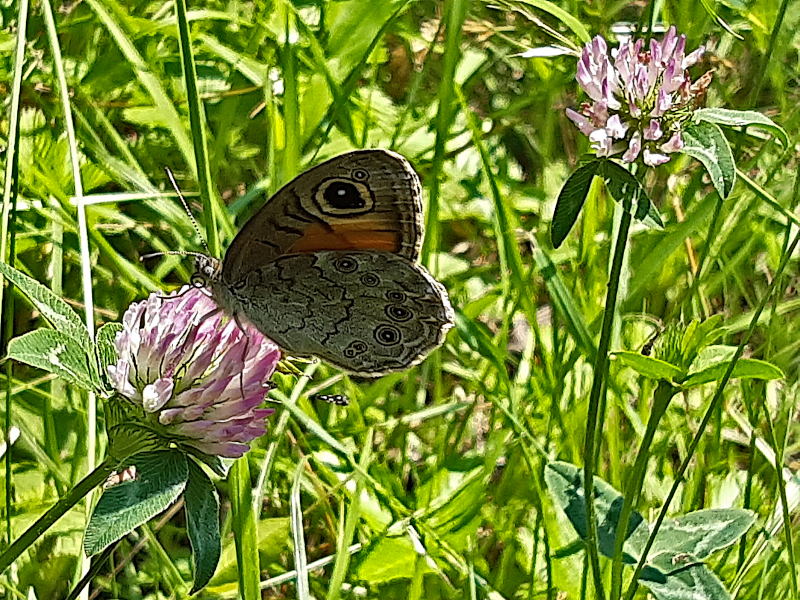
(195, 377)
(640, 99)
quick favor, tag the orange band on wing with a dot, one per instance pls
(344, 237)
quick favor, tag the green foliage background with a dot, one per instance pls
(437, 473)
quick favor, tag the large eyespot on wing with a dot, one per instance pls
(361, 200)
(342, 196)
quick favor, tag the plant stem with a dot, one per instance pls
(48, 519)
(8, 218)
(198, 128)
(661, 398)
(780, 451)
(244, 529)
(753, 409)
(773, 39)
(709, 413)
(600, 367)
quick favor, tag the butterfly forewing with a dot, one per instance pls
(362, 200)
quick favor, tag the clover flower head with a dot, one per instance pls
(639, 98)
(197, 375)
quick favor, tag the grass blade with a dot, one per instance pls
(298, 537)
(197, 123)
(149, 81)
(244, 529)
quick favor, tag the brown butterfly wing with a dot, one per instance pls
(369, 313)
(362, 200)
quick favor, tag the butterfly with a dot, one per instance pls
(329, 267)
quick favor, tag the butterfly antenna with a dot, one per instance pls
(172, 253)
(188, 212)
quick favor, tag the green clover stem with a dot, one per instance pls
(48, 519)
(661, 398)
(593, 413)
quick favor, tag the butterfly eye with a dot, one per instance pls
(198, 280)
(346, 265)
(370, 279)
(387, 335)
(398, 313)
(360, 175)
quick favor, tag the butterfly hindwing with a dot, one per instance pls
(367, 312)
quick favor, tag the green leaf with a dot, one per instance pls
(741, 118)
(160, 479)
(53, 308)
(705, 142)
(746, 368)
(711, 356)
(626, 189)
(674, 566)
(390, 559)
(564, 16)
(688, 582)
(674, 570)
(564, 302)
(707, 4)
(649, 366)
(457, 497)
(202, 521)
(105, 349)
(701, 533)
(565, 482)
(57, 353)
(698, 336)
(274, 541)
(477, 337)
(245, 528)
(570, 201)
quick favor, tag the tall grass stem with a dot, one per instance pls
(7, 238)
(780, 452)
(773, 39)
(197, 123)
(83, 239)
(455, 11)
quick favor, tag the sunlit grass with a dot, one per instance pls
(436, 474)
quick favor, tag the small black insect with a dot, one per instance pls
(336, 399)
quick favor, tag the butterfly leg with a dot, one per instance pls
(178, 295)
(244, 352)
(210, 314)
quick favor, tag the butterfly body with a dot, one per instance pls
(328, 267)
